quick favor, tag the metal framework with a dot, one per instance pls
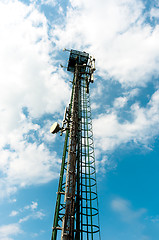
(76, 213)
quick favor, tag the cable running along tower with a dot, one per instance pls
(76, 212)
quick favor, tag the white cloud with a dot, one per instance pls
(39, 215)
(32, 206)
(7, 231)
(49, 2)
(28, 212)
(154, 219)
(116, 32)
(14, 213)
(18, 167)
(26, 64)
(44, 133)
(125, 48)
(124, 209)
(36, 215)
(24, 219)
(120, 102)
(135, 221)
(154, 13)
(28, 79)
(94, 106)
(109, 132)
(12, 200)
(104, 164)
(132, 93)
(27, 75)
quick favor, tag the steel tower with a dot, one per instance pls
(76, 212)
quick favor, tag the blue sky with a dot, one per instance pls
(34, 91)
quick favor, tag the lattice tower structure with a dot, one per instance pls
(76, 213)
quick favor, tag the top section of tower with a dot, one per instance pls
(81, 58)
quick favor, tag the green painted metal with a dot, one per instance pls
(54, 232)
(77, 235)
(89, 172)
(56, 216)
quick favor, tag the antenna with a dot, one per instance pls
(76, 212)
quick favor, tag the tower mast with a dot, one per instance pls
(76, 212)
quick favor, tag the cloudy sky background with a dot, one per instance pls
(123, 37)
